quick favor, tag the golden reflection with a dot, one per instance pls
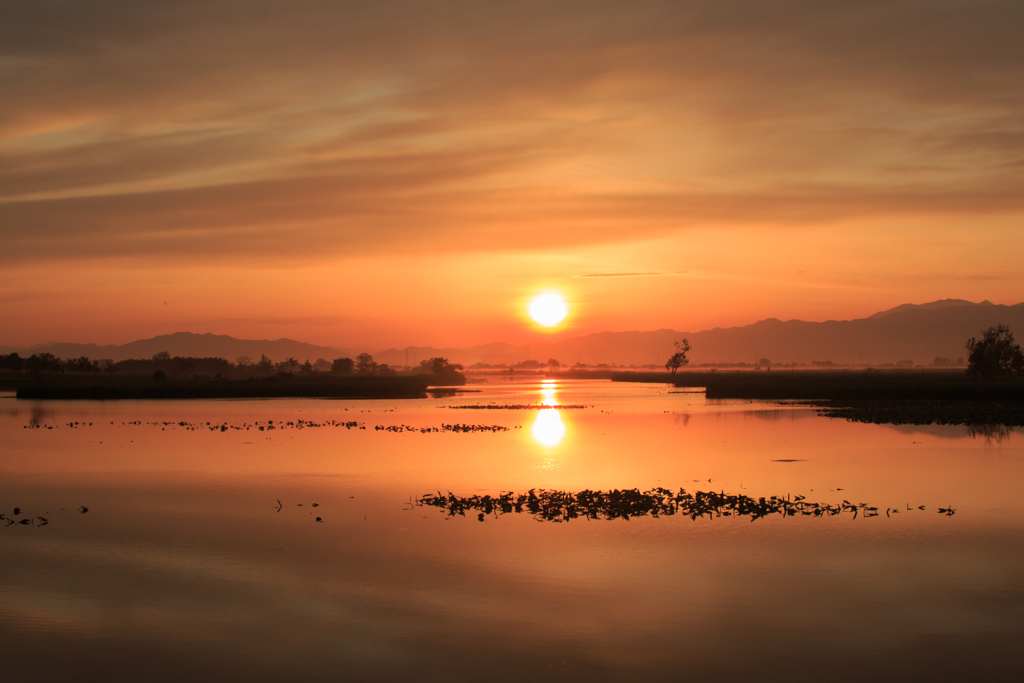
(548, 428)
(548, 389)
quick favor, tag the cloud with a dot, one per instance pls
(257, 130)
(618, 274)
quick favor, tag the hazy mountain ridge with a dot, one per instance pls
(942, 303)
(917, 332)
(190, 344)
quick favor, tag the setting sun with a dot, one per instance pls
(548, 309)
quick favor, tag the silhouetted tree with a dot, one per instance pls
(441, 367)
(288, 365)
(243, 362)
(307, 368)
(12, 362)
(365, 364)
(182, 365)
(321, 365)
(994, 354)
(265, 366)
(678, 359)
(37, 364)
(162, 356)
(83, 365)
(342, 366)
(552, 363)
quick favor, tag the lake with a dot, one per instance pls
(179, 540)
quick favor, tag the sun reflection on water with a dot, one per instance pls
(548, 428)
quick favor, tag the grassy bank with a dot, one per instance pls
(926, 412)
(880, 397)
(843, 385)
(137, 387)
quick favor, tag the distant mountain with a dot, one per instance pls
(944, 303)
(917, 332)
(190, 344)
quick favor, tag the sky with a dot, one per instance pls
(396, 173)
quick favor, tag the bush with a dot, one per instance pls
(994, 354)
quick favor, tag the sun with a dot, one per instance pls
(548, 309)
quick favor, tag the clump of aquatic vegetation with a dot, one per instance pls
(267, 425)
(444, 428)
(20, 519)
(563, 506)
(516, 406)
(271, 425)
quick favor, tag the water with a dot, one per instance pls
(185, 566)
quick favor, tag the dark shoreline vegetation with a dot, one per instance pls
(118, 387)
(969, 413)
(44, 376)
(907, 397)
(563, 506)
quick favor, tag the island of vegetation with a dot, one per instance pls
(43, 376)
(990, 391)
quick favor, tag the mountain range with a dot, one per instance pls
(190, 344)
(916, 332)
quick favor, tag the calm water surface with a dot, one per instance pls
(185, 566)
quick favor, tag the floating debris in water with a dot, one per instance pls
(517, 406)
(35, 521)
(562, 506)
(271, 425)
(458, 428)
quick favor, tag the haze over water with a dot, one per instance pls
(185, 566)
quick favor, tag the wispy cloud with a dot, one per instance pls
(618, 274)
(193, 128)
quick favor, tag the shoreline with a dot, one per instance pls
(140, 388)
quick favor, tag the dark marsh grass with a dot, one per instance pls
(842, 384)
(116, 387)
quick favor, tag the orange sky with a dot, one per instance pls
(410, 173)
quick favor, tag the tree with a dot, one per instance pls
(321, 365)
(994, 354)
(365, 364)
(342, 366)
(553, 363)
(162, 356)
(441, 367)
(243, 362)
(83, 364)
(265, 366)
(678, 359)
(12, 362)
(383, 370)
(289, 365)
(43, 362)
